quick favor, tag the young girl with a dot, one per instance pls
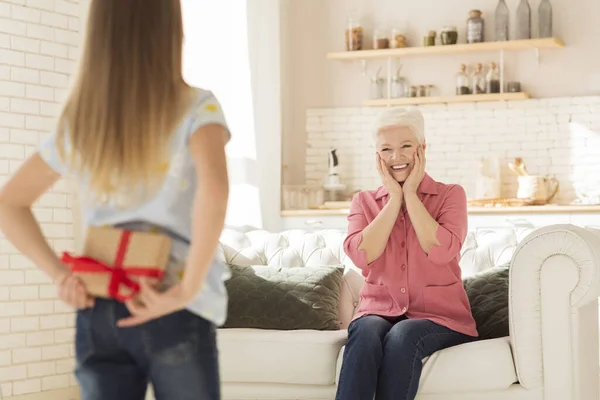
(147, 151)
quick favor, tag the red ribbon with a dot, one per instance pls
(119, 275)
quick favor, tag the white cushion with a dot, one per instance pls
(478, 366)
(270, 356)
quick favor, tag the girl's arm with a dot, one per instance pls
(18, 223)
(207, 146)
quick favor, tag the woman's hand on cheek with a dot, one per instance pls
(387, 179)
(418, 172)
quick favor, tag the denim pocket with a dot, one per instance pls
(178, 337)
(84, 334)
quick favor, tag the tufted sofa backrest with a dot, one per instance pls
(482, 249)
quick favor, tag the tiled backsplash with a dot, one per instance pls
(558, 137)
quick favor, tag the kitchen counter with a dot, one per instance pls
(551, 208)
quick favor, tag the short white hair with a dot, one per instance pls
(410, 117)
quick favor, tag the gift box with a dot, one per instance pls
(114, 260)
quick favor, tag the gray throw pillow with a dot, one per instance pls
(264, 297)
(488, 295)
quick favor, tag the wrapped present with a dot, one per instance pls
(114, 260)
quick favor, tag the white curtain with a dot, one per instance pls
(223, 42)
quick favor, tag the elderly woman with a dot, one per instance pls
(406, 238)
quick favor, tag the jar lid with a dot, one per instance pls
(449, 29)
(474, 13)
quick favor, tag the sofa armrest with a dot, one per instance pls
(553, 309)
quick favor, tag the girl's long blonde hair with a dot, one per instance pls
(128, 97)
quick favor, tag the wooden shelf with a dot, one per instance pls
(468, 98)
(511, 45)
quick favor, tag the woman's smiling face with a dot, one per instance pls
(397, 146)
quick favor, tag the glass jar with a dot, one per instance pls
(380, 39)
(492, 80)
(354, 33)
(478, 82)
(462, 81)
(513, 87)
(398, 39)
(475, 27)
(429, 40)
(412, 91)
(399, 87)
(377, 85)
(429, 89)
(449, 35)
(422, 91)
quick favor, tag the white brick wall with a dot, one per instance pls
(38, 43)
(558, 136)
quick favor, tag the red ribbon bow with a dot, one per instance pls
(119, 275)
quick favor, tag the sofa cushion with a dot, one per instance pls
(302, 357)
(265, 297)
(488, 296)
(477, 366)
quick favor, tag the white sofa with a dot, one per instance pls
(551, 354)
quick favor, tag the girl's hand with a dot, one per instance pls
(418, 172)
(72, 291)
(387, 179)
(155, 304)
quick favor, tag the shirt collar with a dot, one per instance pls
(427, 186)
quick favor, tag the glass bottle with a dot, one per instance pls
(399, 86)
(478, 82)
(377, 85)
(462, 81)
(502, 17)
(492, 80)
(524, 20)
(475, 27)
(545, 19)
